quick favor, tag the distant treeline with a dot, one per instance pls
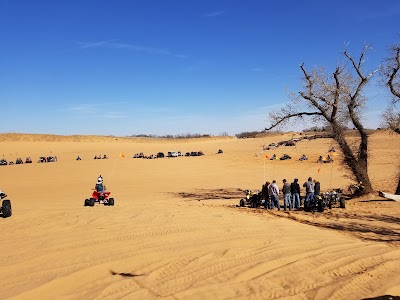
(170, 136)
(242, 135)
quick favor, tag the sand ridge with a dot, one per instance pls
(158, 244)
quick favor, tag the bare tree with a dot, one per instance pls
(391, 78)
(336, 100)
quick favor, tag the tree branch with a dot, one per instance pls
(393, 74)
(336, 93)
(310, 96)
(289, 116)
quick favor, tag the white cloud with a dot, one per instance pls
(111, 44)
(213, 14)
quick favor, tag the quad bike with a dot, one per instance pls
(285, 157)
(5, 208)
(253, 199)
(42, 159)
(101, 198)
(316, 203)
(356, 189)
(333, 198)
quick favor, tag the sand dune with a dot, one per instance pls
(175, 231)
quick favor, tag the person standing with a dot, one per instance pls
(287, 196)
(309, 185)
(295, 190)
(274, 195)
(317, 188)
(265, 195)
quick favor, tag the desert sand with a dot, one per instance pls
(176, 232)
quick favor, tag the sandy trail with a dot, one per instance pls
(157, 244)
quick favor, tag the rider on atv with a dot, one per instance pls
(2, 195)
(100, 187)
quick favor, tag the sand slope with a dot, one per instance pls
(175, 232)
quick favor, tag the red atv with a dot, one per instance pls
(101, 198)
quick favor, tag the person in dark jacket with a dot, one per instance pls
(265, 196)
(295, 191)
(287, 196)
(317, 188)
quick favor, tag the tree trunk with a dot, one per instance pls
(398, 187)
(358, 165)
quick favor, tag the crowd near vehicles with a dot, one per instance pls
(174, 154)
(194, 153)
(101, 198)
(170, 154)
(318, 203)
(28, 160)
(5, 208)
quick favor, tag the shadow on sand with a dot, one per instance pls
(380, 228)
(125, 274)
(365, 226)
(213, 194)
(384, 297)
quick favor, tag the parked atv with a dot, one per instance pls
(317, 203)
(356, 189)
(253, 199)
(101, 198)
(334, 198)
(5, 208)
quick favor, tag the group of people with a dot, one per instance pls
(327, 159)
(291, 193)
(283, 157)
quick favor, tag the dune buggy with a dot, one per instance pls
(101, 198)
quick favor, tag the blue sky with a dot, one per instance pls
(172, 66)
